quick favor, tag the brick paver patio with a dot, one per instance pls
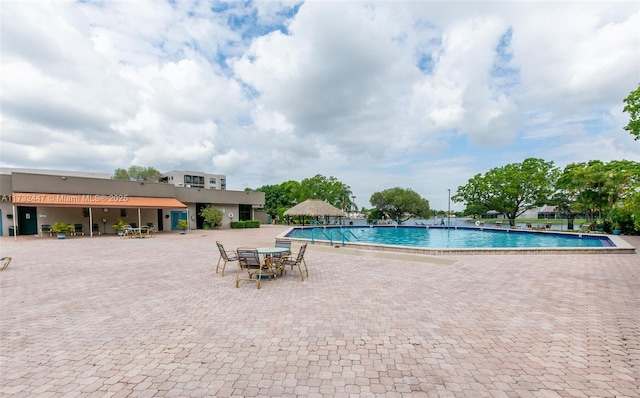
(105, 316)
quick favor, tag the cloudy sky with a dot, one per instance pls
(415, 94)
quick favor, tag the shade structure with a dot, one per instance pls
(314, 208)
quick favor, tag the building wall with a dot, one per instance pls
(70, 184)
(105, 221)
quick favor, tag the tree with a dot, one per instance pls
(277, 197)
(632, 207)
(121, 174)
(329, 189)
(475, 210)
(633, 108)
(512, 189)
(137, 173)
(400, 204)
(595, 188)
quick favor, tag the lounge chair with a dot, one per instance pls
(297, 261)
(249, 262)
(227, 256)
(586, 227)
(5, 262)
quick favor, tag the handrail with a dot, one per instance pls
(313, 232)
(343, 233)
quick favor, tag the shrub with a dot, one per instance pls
(62, 228)
(245, 224)
(252, 224)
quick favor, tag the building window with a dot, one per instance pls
(212, 180)
(194, 181)
(244, 212)
(123, 212)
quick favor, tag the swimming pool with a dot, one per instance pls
(434, 240)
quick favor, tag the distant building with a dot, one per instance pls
(493, 214)
(194, 179)
(550, 213)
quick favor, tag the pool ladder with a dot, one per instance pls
(342, 232)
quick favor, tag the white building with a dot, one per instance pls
(194, 179)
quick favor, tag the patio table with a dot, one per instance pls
(268, 253)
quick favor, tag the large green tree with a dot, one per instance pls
(633, 108)
(329, 189)
(278, 198)
(595, 188)
(137, 173)
(512, 189)
(400, 204)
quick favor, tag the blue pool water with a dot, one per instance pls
(440, 238)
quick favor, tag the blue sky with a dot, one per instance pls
(416, 94)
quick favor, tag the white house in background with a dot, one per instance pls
(194, 179)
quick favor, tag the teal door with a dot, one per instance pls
(177, 215)
(27, 221)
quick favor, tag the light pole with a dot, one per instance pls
(449, 209)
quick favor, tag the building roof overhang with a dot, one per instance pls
(94, 201)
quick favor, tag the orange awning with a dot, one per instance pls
(95, 201)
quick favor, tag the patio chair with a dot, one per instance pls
(276, 258)
(586, 227)
(297, 261)
(5, 262)
(78, 229)
(95, 228)
(127, 232)
(45, 229)
(249, 262)
(226, 256)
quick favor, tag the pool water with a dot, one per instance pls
(461, 237)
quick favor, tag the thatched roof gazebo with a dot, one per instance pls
(314, 208)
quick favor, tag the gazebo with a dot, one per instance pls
(314, 208)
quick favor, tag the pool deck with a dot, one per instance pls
(112, 317)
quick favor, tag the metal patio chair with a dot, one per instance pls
(249, 262)
(226, 256)
(5, 262)
(298, 261)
